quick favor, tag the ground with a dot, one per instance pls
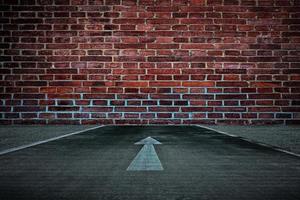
(197, 164)
(285, 137)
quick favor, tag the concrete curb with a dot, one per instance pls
(275, 148)
(45, 141)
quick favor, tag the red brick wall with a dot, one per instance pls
(150, 61)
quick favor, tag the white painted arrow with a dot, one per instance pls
(146, 159)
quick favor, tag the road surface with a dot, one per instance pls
(197, 164)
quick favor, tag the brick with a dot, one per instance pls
(162, 46)
(31, 83)
(162, 21)
(231, 96)
(163, 109)
(223, 61)
(265, 84)
(231, 84)
(197, 46)
(162, 59)
(162, 9)
(130, 46)
(99, 96)
(96, 58)
(130, 59)
(61, 46)
(198, 96)
(197, 109)
(64, 96)
(130, 109)
(199, 84)
(62, 58)
(61, 71)
(264, 96)
(132, 84)
(28, 109)
(164, 84)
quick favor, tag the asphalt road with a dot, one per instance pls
(197, 164)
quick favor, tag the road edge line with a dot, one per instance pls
(253, 141)
(10, 150)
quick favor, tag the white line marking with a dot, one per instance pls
(45, 141)
(146, 159)
(252, 141)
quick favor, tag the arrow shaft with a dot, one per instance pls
(146, 160)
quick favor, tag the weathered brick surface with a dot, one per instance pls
(150, 61)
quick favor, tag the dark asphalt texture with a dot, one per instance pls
(198, 164)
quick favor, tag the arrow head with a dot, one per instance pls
(148, 140)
